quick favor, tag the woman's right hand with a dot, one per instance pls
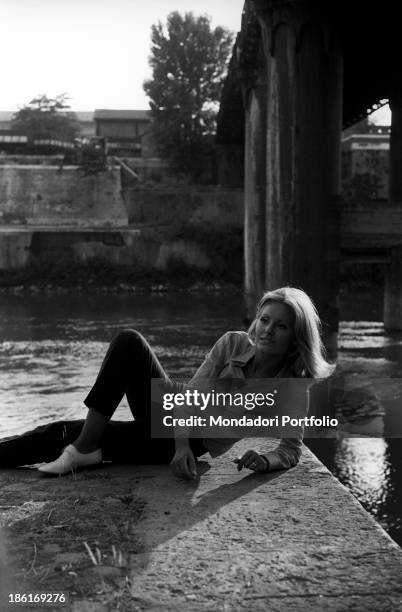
(183, 463)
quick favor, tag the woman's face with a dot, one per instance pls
(274, 331)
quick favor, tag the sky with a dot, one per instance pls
(95, 50)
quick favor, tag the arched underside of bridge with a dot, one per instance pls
(300, 71)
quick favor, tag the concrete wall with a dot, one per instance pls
(365, 173)
(148, 169)
(371, 224)
(46, 195)
(31, 160)
(189, 206)
(51, 216)
(14, 249)
(142, 251)
(190, 227)
(24, 246)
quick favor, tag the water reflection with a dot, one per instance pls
(369, 366)
(363, 466)
(371, 469)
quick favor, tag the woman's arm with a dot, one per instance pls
(289, 449)
(183, 463)
(286, 455)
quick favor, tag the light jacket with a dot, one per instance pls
(227, 359)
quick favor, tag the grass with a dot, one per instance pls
(74, 538)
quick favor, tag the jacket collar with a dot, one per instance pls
(244, 357)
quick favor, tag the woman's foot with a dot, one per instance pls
(70, 460)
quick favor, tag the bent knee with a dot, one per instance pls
(130, 337)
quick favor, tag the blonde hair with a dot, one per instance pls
(307, 360)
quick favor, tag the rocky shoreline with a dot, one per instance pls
(121, 288)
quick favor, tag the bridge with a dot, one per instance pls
(301, 71)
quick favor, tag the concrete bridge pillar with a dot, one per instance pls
(393, 290)
(395, 153)
(255, 191)
(393, 274)
(302, 173)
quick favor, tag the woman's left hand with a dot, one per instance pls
(253, 461)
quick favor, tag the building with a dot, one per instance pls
(87, 124)
(365, 163)
(128, 132)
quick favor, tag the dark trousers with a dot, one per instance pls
(127, 369)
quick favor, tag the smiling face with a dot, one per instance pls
(274, 330)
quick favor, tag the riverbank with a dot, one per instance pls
(101, 277)
(353, 304)
(122, 288)
(135, 538)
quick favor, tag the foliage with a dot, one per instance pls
(188, 61)
(45, 118)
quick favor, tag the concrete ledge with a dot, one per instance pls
(293, 540)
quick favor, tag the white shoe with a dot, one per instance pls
(71, 459)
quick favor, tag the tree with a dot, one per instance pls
(188, 61)
(45, 118)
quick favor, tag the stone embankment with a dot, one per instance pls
(55, 214)
(135, 538)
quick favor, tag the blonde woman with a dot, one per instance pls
(283, 342)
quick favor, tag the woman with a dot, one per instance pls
(283, 341)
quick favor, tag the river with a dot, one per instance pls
(52, 347)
